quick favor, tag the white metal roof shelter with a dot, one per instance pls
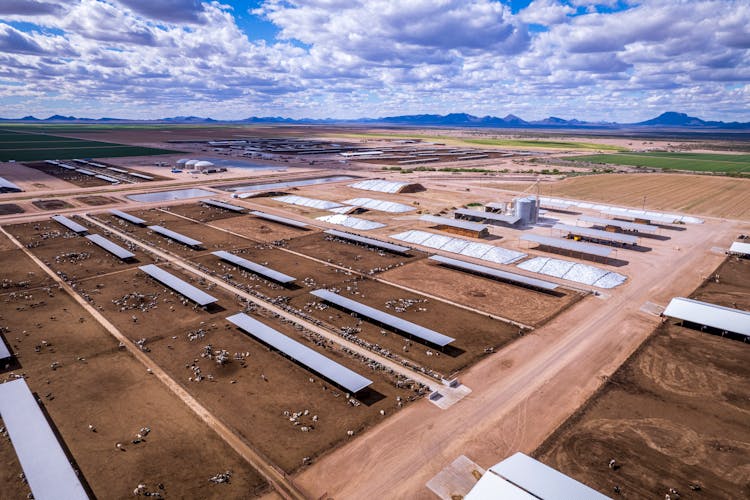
(109, 246)
(368, 241)
(281, 220)
(4, 351)
(382, 317)
(333, 371)
(264, 271)
(494, 273)
(462, 224)
(493, 487)
(535, 479)
(182, 287)
(703, 313)
(47, 469)
(6, 185)
(70, 224)
(597, 234)
(625, 226)
(570, 245)
(130, 218)
(740, 248)
(488, 216)
(225, 206)
(185, 240)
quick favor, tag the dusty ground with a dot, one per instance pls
(106, 387)
(674, 415)
(68, 175)
(96, 201)
(51, 204)
(695, 194)
(495, 297)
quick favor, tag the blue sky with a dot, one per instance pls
(608, 60)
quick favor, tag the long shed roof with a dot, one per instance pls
(130, 218)
(571, 245)
(186, 240)
(541, 480)
(70, 224)
(741, 248)
(445, 221)
(4, 351)
(598, 234)
(225, 206)
(368, 241)
(315, 361)
(492, 216)
(627, 226)
(281, 220)
(182, 287)
(6, 184)
(109, 246)
(495, 273)
(45, 465)
(264, 271)
(384, 318)
(704, 313)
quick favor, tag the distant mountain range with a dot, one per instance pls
(668, 120)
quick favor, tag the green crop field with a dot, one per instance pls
(699, 162)
(21, 146)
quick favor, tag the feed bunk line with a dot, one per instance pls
(274, 476)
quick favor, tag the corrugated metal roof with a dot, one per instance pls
(4, 350)
(573, 246)
(225, 206)
(495, 273)
(597, 234)
(303, 201)
(6, 184)
(141, 176)
(628, 214)
(333, 371)
(112, 248)
(280, 220)
(704, 313)
(130, 218)
(182, 287)
(107, 178)
(741, 248)
(352, 222)
(380, 185)
(543, 481)
(70, 224)
(627, 226)
(507, 219)
(175, 236)
(492, 487)
(381, 205)
(384, 318)
(264, 271)
(368, 241)
(445, 221)
(85, 172)
(623, 212)
(45, 465)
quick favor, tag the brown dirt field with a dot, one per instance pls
(73, 257)
(203, 213)
(71, 176)
(673, 415)
(346, 254)
(51, 204)
(260, 229)
(10, 209)
(251, 406)
(715, 196)
(112, 391)
(492, 296)
(96, 201)
(10, 470)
